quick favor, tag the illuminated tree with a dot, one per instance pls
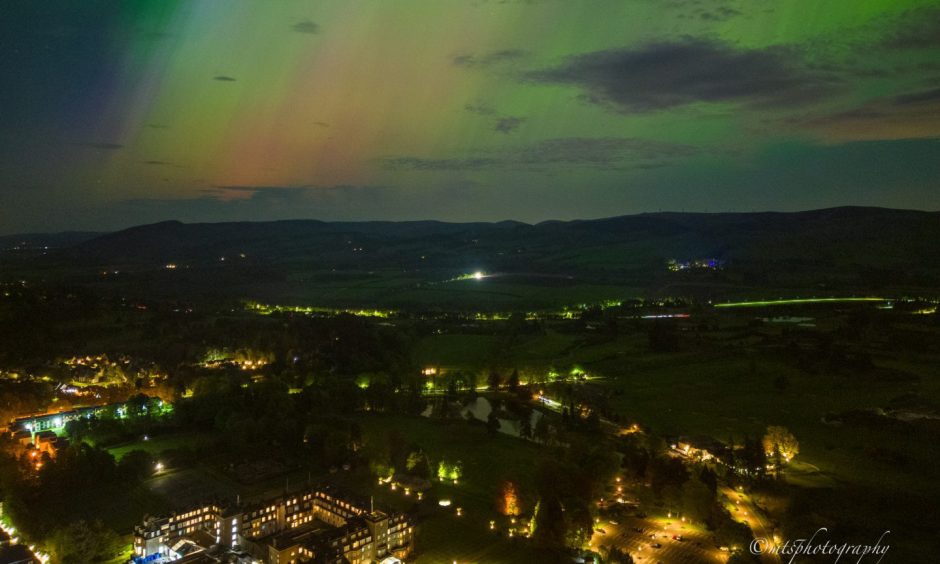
(83, 542)
(550, 526)
(449, 470)
(619, 556)
(509, 500)
(780, 441)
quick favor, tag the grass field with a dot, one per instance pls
(431, 291)
(160, 443)
(724, 383)
(488, 461)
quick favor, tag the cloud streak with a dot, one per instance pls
(470, 60)
(914, 115)
(508, 124)
(308, 27)
(571, 152)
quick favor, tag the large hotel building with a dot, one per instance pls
(313, 525)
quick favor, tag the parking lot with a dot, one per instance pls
(625, 533)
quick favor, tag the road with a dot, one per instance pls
(746, 511)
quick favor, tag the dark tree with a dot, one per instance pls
(513, 382)
(492, 423)
(493, 380)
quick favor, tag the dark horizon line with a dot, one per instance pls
(444, 222)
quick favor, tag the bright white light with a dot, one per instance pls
(159, 467)
(444, 502)
(478, 275)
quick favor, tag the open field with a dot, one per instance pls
(157, 444)
(488, 461)
(735, 379)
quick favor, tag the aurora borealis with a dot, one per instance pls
(119, 113)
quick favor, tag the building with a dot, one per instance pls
(49, 421)
(310, 525)
(699, 447)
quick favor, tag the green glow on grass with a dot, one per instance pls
(797, 301)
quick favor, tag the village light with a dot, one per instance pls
(158, 467)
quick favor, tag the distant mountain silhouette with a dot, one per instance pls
(853, 248)
(849, 235)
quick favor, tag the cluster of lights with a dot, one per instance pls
(14, 539)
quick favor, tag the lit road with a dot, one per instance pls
(744, 510)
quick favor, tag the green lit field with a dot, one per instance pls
(158, 444)
(392, 290)
(488, 461)
(797, 301)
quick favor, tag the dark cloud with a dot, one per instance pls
(223, 78)
(306, 26)
(719, 14)
(508, 124)
(239, 203)
(915, 29)
(604, 153)
(480, 108)
(918, 97)
(489, 59)
(658, 76)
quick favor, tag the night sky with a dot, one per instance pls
(125, 112)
